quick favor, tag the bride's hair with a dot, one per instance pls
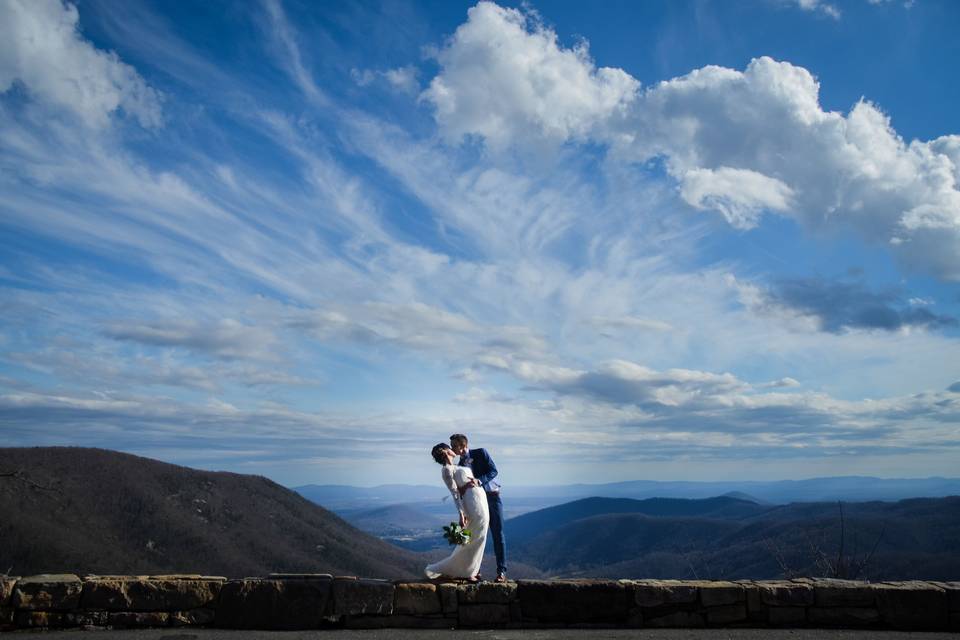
(438, 454)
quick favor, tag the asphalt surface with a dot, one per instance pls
(538, 634)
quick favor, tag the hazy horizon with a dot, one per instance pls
(678, 240)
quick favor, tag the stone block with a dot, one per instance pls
(448, 597)
(133, 593)
(6, 589)
(913, 605)
(727, 614)
(487, 593)
(398, 622)
(784, 593)
(193, 617)
(139, 619)
(715, 594)
(678, 619)
(656, 593)
(843, 593)
(953, 594)
(48, 592)
(87, 618)
(274, 604)
(362, 597)
(6, 618)
(756, 609)
(411, 598)
(843, 616)
(483, 615)
(39, 620)
(786, 616)
(574, 600)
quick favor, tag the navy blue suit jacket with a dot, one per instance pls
(484, 470)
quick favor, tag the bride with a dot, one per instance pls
(471, 502)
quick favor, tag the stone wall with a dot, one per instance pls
(318, 601)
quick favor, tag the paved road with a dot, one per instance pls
(551, 634)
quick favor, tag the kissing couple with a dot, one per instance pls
(477, 498)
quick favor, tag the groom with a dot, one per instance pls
(484, 470)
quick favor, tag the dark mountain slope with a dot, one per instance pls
(914, 539)
(98, 511)
(530, 525)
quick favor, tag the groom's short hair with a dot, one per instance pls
(457, 438)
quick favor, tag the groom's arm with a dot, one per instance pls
(491, 473)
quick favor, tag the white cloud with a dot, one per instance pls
(823, 7)
(743, 143)
(740, 195)
(503, 74)
(42, 48)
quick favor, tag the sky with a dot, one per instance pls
(661, 240)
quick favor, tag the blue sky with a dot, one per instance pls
(608, 241)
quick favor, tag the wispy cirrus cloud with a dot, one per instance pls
(503, 254)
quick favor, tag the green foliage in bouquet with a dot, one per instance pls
(455, 534)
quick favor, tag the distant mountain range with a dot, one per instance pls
(67, 509)
(731, 538)
(520, 499)
(96, 511)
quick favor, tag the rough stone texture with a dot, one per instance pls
(86, 618)
(192, 617)
(843, 593)
(778, 616)
(362, 597)
(482, 615)
(714, 594)
(953, 594)
(574, 601)
(139, 619)
(913, 605)
(843, 616)
(727, 614)
(783, 593)
(487, 593)
(448, 597)
(6, 618)
(47, 592)
(6, 589)
(399, 622)
(655, 593)
(274, 604)
(36, 619)
(687, 619)
(133, 593)
(416, 599)
(756, 609)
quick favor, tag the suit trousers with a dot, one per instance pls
(495, 506)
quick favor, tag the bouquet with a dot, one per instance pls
(455, 534)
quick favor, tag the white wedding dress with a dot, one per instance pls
(465, 560)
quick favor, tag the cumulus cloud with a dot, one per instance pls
(41, 47)
(841, 306)
(503, 74)
(742, 143)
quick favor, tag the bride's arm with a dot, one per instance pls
(448, 480)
